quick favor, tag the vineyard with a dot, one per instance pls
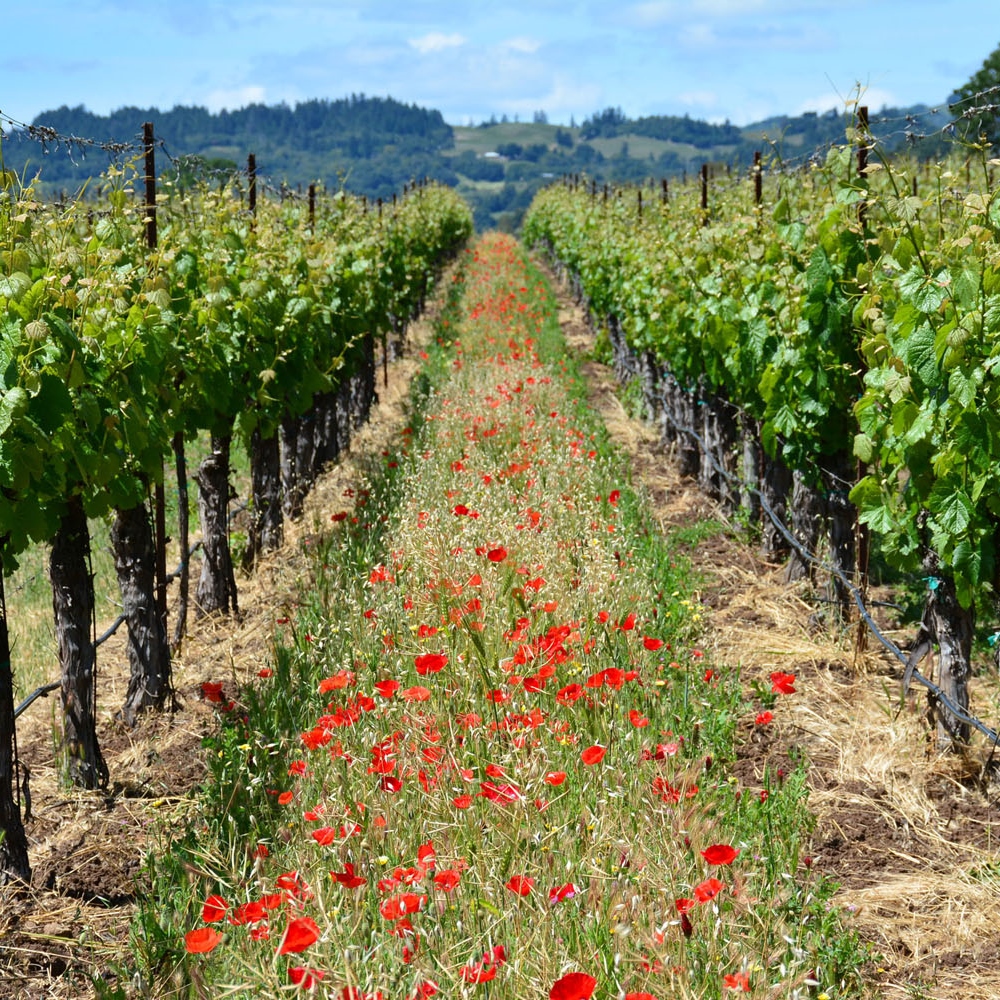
(823, 352)
(490, 738)
(131, 328)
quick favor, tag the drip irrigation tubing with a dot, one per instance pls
(909, 662)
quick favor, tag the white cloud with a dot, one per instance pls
(238, 97)
(699, 98)
(872, 97)
(565, 97)
(523, 44)
(654, 12)
(437, 41)
(699, 36)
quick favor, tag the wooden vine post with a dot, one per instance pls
(267, 530)
(160, 505)
(14, 865)
(704, 194)
(252, 180)
(758, 184)
(862, 538)
(140, 551)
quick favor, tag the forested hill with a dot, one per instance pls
(373, 144)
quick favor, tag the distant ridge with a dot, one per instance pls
(375, 145)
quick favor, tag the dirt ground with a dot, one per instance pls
(908, 834)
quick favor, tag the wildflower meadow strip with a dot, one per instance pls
(490, 758)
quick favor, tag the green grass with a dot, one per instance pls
(485, 140)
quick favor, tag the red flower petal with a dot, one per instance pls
(720, 854)
(573, 986)
(593, 755)
(521, 884)
(299, 935)
(201, 940)
(707, 890)
(214, 909)
(782, 683)
(429, 663)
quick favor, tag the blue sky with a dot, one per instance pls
(741, 60)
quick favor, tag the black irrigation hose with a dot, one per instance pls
(909, 663)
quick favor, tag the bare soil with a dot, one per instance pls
(908, 834)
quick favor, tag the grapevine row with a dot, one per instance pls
(259, 324)
(836, 349)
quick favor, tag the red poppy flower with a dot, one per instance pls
(573, 986)
(303, 977)
(214, 909)
(521, 884)
(707, 890)
(684, 905)
(736, 981)
(429, 663)
(651, 643)
(347, 877)
(212, 691)
(428, 988)
(342, 679)
(478, 972)
(387, 688)
(628, 622)
(299, 935)
(554, 777)
(593, 755)
(415, 693)
(400, 906)
(720, 854)
(462, 801)
(764, 719)
(201, 940)
(569, 694)
(447, 879)
(248, 913)
(497, 555)
(324, 836)
(782, 683)
(501, 794)
(637, 719)
(560, 892)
